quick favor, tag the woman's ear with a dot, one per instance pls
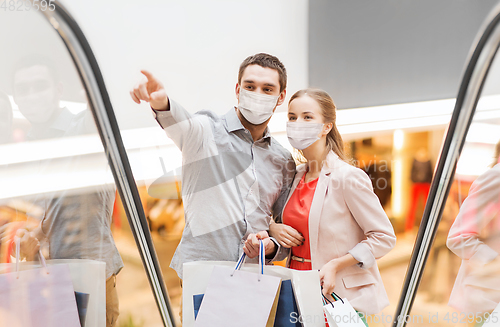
(327, 128)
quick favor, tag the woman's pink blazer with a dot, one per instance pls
(347, 217)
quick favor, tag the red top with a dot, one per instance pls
(296, 215)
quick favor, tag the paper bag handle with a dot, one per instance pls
(327, 300)
(242, 258)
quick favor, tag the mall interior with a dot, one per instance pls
(416, 85)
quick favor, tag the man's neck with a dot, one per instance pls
(257, 131)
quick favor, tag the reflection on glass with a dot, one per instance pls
(475, 238)
(461, 284)
(57, 192)
(5, 119)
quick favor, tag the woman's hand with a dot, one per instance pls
(328, 272)
(285, 235)
(327, 275)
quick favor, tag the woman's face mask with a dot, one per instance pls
(303, 134)
(305, 125)
(256, 107)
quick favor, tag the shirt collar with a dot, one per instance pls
(63, 121)
(233, 123)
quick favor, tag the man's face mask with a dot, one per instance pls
(256, 107)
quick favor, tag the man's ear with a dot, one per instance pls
(282, 97)
(237, 91)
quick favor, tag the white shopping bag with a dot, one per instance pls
(306, 287)
(38, 297)
(87, 276)
(494, 318)
(340, 313)
(239, 298)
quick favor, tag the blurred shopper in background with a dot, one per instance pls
(475, 238)
(76, 224)
(235, 176)
(421, 177)
(332, 220)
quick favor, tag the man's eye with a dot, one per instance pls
(268, 90)
(248, 87)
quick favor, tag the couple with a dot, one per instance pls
(240, 185)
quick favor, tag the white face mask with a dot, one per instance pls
(256, 107)
(302, 135)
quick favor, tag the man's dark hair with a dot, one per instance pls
(267, 61)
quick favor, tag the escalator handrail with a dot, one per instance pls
(102, 110)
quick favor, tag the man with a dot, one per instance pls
(76, 224)
(5, 119)
(235, 176)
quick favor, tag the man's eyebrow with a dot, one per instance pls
(270, 84)
(248, 81)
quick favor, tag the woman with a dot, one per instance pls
(475, 238)
(332, 204)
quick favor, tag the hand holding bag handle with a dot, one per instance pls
(223, 304)
(242, 258)
(17, 241)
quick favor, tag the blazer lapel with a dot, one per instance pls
(315, 212)
(301, 170)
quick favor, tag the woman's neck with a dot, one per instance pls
(316, 154)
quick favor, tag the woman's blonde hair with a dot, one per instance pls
(334, 140)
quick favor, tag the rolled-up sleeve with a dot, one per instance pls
(186, 130)
(478, 210)
(366, 209)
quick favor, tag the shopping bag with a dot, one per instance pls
(238, 298)
(82, 301)
(87, 276)
(38, 297)
(285, 310)
(494, 317)
(287, 307)
(305, 283)
(197, 299)
(340, 313)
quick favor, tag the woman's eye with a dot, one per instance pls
(307, 117)
(291, 118)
